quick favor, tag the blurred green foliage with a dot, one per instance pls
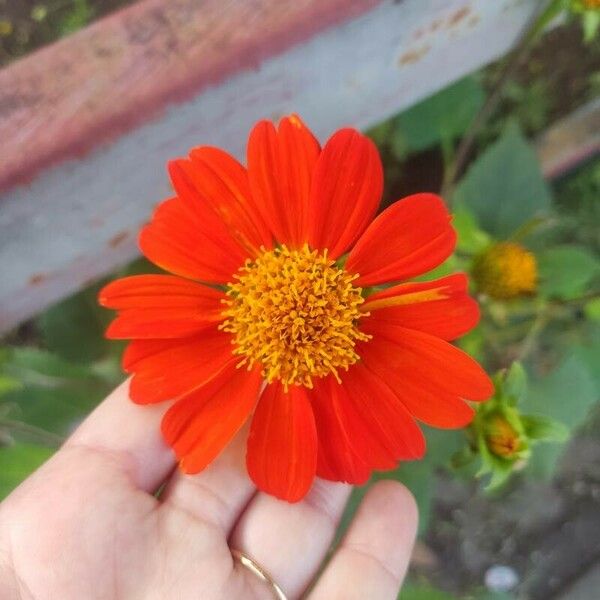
(504, 187)
(18, 461)
(437, 120)
(28, 24)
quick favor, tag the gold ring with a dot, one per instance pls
(255, 568)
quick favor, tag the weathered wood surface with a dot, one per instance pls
(570, 141)
(121, 72)
(87, 125)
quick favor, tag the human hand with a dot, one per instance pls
(86, 525)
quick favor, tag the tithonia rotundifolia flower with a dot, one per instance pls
(273, 313)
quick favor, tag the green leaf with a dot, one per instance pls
(18, 462)
(592, 309)
(423, 591)
(74, 328)
(538, 427)
(566, 395)
(28, 362)
(515, 384)
(505, 187)
(449, 266)
(591, 23)
(380, 134)
(552, 10)
(565, 271)
(443, 116)
(471, 238)
(79, 15)
(588, 354)
(57, 410)
(473, 343)
(8, 384)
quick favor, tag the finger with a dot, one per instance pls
(373, 557)
(218, 494)
(290, 540)
(129, 436)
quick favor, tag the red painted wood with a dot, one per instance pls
(67, 99)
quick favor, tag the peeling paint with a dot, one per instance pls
(118, 239)
(458, 16)
(37, 279)
(436, 25)
(412, 56)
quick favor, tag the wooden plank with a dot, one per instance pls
(570, 141)
(121, 72)
(93, 146)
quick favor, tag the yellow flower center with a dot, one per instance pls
(505, 270)
(295, 313)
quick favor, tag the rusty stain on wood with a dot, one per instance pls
(118, 239)
(412, 56)
(436, 24)
(458, 16)
(37, 278)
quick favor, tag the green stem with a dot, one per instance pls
(530, 340)
(529, 33)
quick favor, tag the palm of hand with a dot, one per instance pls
(86, 526)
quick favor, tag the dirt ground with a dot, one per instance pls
(549, 533)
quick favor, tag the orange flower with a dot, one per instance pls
(272, 270)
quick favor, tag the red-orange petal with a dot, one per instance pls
(441, 307)
(214, 178)
(202, 423)
(409, 238)
(384, 414)
(433, 407)
(191, 241)
(348, 450)
(280, 167)
(282, 446)
(160, 306)
(346, 190)
(433, 363)
(167, 369)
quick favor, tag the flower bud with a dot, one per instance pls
(502, 438)
(505, 270)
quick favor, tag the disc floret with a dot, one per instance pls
(296, 313)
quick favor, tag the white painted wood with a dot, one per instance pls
(79, 220)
